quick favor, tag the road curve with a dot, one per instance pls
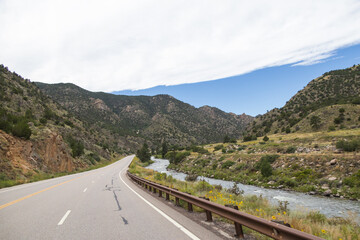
(98, 204)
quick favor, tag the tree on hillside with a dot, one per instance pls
(266, 138)
(315, 122)
(226, 139)
(144, 153)
(164, 149)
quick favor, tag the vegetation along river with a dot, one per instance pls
(330, 207)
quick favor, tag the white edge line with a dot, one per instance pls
(85, 190)
(178, 225)
(64, 218)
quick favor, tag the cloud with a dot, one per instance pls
(114, 45)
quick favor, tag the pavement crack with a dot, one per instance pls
(117, 201)
(124, 220)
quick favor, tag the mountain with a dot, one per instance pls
(152, 118)
(328, 102)
(38, 136)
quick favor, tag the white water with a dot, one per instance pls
(331, 207)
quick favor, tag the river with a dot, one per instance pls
(330, 207)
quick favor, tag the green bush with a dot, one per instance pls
(264, 165)
(176, 157)
(348, 146)
(291, 149)
(144, 153)
(198, 149)
(270, 157)
(160, 176)
(21, 129)
(249, 138)
(43, 121)
(227, 164)
(353, 180)
(203, 186)
(218, 147)
(77, 147)
(266, 169)
(331, 128)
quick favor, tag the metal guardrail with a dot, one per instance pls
(268, 228)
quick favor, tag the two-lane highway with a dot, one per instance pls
(99, 204)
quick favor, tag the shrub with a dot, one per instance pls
(77, 147)
(353, 180)
(331, 128)
(348, 146)
(21, 129)
(249, 138)
(43, 121)
(203, 186)
(235, 190)
(144, 153)
(315, 122)
(69, 123)
(218, 147)
(287, 130)
(266, 169)
(291, 149)
(200, 150)
(160, 176)
(227, 164)
(270, 158)
(176, 157)
(264, 164)
(266, 138)
(191, 177)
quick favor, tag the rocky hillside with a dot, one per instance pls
(323, 163)
(331, 89)
(38, 136)
(156, 119)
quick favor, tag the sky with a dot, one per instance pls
(258, 91)
(112, 45)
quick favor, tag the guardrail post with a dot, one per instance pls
(149, 188)
(154, 190)
(239, 230)
(160, 193)
(208, 216)
(167, 197)
(177, 201)
(190, 207)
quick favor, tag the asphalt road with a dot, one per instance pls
(99, 204)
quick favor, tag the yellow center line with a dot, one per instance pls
(33, 194)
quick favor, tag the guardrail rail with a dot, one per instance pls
(268, 228)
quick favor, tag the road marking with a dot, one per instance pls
(64, 217)
(85, 190)
(33, 194)
(178, 225)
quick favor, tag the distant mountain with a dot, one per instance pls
(38, 136)
(154, 119)
(317, 106)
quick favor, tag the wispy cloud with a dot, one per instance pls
(114, 45)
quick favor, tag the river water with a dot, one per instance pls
(331, 207)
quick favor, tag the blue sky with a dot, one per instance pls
(258, 91)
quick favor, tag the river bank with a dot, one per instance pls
(330, 207)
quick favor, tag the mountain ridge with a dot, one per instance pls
(156, 118)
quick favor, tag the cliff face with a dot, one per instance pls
(50, 154)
